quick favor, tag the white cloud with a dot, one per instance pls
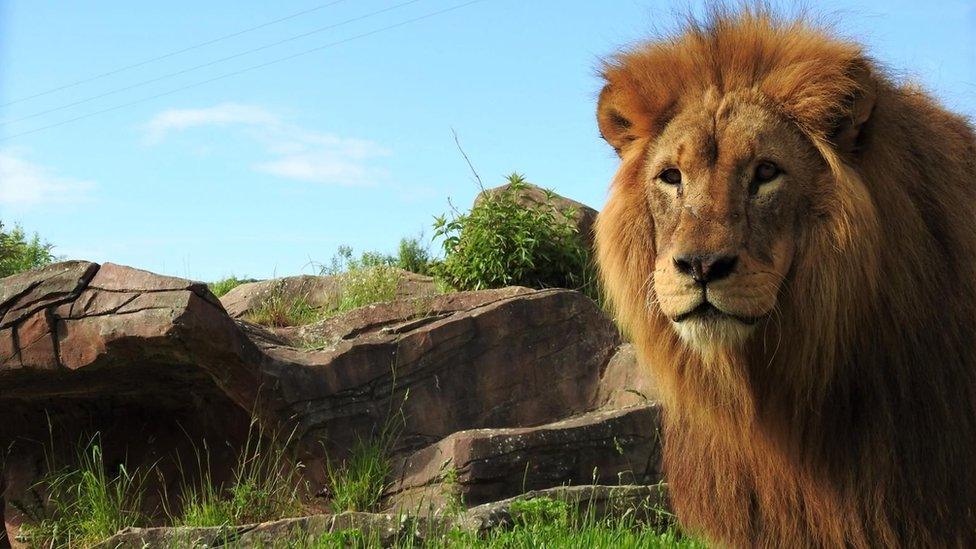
(293, 152)
(26, 183)
(218, 115)
(315, 169)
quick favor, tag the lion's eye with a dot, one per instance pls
(671, 176)
(766, 172)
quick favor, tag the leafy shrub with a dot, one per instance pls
(85, 503)
(19, 253)
(502, 242)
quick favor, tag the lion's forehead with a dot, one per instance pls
(725, 135)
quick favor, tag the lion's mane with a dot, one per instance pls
(849, 419)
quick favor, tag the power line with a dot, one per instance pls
(172, 53)
(207, 64)
(244, 70)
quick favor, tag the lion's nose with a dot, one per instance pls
(705, 268)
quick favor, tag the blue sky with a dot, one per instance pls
(268, 171)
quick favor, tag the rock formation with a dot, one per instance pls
(514, 389)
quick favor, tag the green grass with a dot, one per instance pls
(221, 287)
(359, 287)
(366, 280)
(88, 505)
(604, 536)
(279, 310)
(265, 486)
(366, 286)
(358, 482)
(540, 522)
(362, 281)
(88, 502)
(370, 278)
(85, 502)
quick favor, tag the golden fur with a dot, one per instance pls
(846, 415)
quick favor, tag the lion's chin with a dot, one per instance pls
(707, 332)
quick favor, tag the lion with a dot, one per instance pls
(790, 243)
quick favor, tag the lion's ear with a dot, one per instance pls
(858, 105)
(612, 116)
(626, 113)
(634, 104)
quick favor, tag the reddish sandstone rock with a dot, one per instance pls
(130, 355)
(624, 382)
(496, 358)
(485, 465)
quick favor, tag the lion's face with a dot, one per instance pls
(726, 184)
(736, 176)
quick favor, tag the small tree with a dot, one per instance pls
(19, 253)
(413, 256)
(503, 242)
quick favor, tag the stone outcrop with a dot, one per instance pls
(152, 364)
(485, 465)
(496, 358)
(516, 388)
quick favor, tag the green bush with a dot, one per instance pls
(502, 242)
(19, 253)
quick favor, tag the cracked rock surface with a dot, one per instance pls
(603, 447)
